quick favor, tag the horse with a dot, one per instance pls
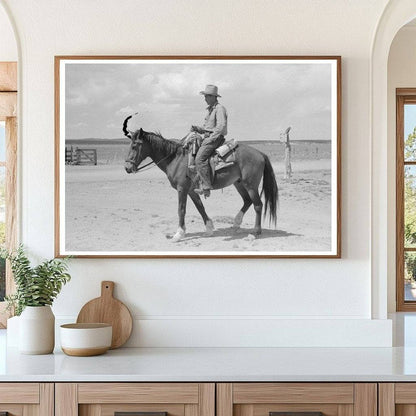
(245, 174)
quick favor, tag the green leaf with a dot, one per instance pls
(35, 286)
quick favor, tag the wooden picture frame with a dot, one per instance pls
(404, 96)
(285, 107)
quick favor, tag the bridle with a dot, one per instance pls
(139, 168)
(127, 133)
(133, 160)
(137, 157)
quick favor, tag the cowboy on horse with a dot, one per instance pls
(248, 169)
(210, 136)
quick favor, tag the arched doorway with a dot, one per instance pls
(396, 14)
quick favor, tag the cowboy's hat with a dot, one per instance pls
(210, 90)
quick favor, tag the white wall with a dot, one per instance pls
(401, 74)
(8, 47)
(179, 302)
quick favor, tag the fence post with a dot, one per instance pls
(288, 155)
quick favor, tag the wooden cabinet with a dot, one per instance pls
(27, 399)
(208, 399)
(297, 399)
(397, 399)
(106, 399)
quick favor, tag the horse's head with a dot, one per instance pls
(139, 150)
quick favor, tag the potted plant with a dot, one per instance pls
(36, 289)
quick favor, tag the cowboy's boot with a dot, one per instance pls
(204, 182)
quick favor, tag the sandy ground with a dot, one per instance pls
(109, 210)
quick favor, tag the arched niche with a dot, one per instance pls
(396, 14)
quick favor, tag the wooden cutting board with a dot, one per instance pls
(107, 309)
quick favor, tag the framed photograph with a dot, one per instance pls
(198, 156)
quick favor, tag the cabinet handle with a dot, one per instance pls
(138, 414)
(296, 414)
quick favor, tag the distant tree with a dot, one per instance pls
(410, 191)
(410, 267)
(2, 234)
(410, 146)
(410, 209)
(2, 191)
(410, 205)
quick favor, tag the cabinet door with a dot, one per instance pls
(144, 399)
(397, 399)
(297, 399)
(26, 399)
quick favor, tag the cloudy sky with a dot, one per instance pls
(262, 99)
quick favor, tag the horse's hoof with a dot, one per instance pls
(209, 226)
(250, 237)
(257, 233)
(179, 235)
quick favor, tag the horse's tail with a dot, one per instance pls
(270, 190)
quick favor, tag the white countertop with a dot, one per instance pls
(213, 364)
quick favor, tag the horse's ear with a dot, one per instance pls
(137, 136)
(140, 135)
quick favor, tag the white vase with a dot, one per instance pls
(13, 331)
(37, 330)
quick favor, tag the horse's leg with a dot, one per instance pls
(181, 231)
(247, 203)
(258, 207)
(201, 209)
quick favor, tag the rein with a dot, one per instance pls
(144, 166)
(139, 168)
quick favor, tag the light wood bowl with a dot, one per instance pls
(84, 340)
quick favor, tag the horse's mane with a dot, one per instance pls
(158, 142)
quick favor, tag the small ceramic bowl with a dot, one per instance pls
(83, 340)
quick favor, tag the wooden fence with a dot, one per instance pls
(77, 156)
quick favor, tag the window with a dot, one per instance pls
(8, 171)
(406, 199)
(2, 206)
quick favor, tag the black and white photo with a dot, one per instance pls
(198, 156)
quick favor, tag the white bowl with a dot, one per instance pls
(84, 340)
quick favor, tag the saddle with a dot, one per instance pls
(223, 156)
